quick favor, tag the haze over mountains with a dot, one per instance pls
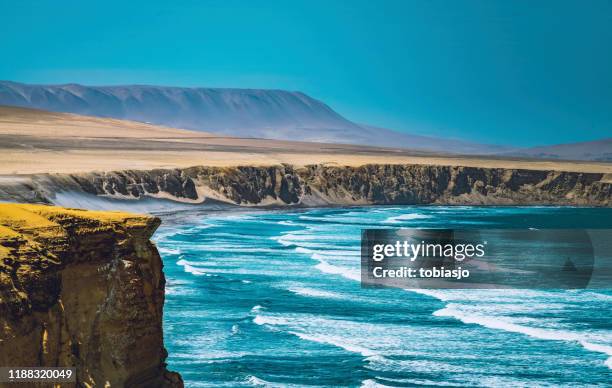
(600, 150)
(253, 113)
(256, 113)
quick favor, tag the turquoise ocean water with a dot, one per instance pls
(272, 298)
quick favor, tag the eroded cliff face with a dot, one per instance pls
(82, 289)
(319, 185)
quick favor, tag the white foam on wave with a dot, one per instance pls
(313, 292)
(323, 255)
(599, 295)
(453, 310)
(178, 291)
(311, 218)
(352, 274)
(217, 235)
(312, 234)
(309, 243)
(344, 260)
(354, 337)
(214, 247)
(282, 240)
(513, 301)
(257, 382)
(310, 328)
(406, 217)
(189, 268)
(373, 384)
(312, 239)
(385, 209)
(169, 251)
(354, 253)
(178, 287)
(256, 308)
(289, 239)
(336, 341)
(328, 254)
(234, 217)
(600, 349)
(303, 250)
(374, 341)
(440, 295)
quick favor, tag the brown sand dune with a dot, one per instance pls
(34, 141)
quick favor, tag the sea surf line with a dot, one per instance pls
(292, 269)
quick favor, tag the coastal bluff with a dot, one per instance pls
(83, 289)
(323, 185)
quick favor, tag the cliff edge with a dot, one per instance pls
(322, 185)
(83, 289)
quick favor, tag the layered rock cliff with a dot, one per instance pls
(320, 185)
(82, 289)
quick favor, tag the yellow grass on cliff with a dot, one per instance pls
(16, 219)
(33, 141)
(25, 223)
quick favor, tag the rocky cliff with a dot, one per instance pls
(82, 289)
(320, 185)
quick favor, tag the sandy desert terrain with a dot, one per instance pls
(33, 141)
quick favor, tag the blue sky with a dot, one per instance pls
(509, 72)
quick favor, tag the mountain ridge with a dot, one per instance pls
(248, 103)
(258, 113)
(595, 150)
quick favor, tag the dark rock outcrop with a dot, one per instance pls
(320, 185)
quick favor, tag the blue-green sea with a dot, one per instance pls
(273, 298)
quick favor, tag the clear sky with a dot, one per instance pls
(510, 71)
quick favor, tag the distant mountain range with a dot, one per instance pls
(257, 113)
(600, 150)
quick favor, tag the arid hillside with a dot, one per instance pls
(34, 142)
